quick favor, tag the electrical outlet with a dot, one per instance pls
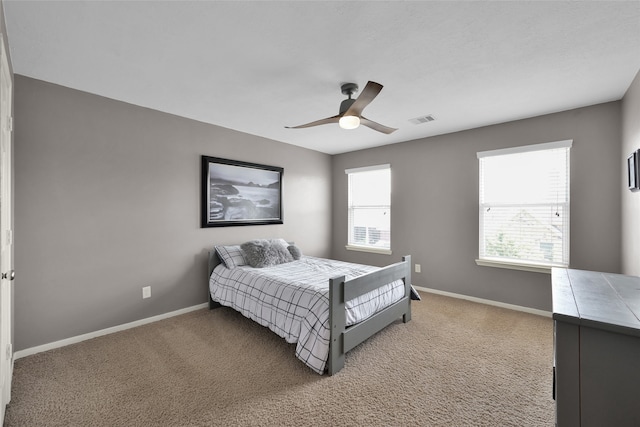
(146, 292)
(418, 268)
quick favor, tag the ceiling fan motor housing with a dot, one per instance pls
(344, 105)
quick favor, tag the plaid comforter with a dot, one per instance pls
(292, 300)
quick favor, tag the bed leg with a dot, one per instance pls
(213, 304)
(336, 363)
(407, 316)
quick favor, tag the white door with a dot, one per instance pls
(6, 232)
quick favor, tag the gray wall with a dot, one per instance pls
(434, 214)
(107, 201)
(630, 200)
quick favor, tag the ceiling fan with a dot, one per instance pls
(350, 114)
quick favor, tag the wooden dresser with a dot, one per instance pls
(596, 348)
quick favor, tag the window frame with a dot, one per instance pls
(525, 265)
(366, 247)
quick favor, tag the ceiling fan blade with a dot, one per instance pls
(376, 126)
(328, 120)
(371, 90)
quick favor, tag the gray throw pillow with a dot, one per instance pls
(266, 252)
(295, 252)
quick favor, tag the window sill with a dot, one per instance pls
(368, 249)
(546, 269)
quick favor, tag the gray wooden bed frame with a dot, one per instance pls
(343, 338)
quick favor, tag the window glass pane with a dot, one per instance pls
(371, 226)
(532, 233)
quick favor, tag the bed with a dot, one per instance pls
(326, 307)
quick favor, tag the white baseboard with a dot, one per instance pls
(73, 340)
(487, 301)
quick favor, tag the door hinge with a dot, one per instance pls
(9, 238)
(9, 351)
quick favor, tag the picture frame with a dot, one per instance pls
(633, 182)
(236, 193)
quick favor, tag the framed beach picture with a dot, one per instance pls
(240, 193)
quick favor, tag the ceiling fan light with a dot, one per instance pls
(349, 122)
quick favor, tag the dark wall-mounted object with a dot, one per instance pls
(633, 177)
(240, 193)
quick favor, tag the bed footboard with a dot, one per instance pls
(343, 339)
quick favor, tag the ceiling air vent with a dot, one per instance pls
(422, 119)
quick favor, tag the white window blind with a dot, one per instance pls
(524, 205)
(370, 207)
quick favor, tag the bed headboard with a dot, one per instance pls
(214, 260)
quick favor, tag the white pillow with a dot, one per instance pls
(232, 256)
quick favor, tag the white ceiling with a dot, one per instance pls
(259, 66)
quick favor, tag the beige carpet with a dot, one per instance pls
(456, 363)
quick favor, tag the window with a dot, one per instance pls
(370, 209)
(524, 206)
